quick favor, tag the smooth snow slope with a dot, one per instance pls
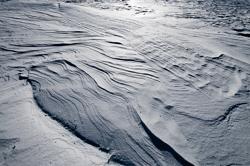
(145, 82)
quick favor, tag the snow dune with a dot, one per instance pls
(133, 83)
(30, 137)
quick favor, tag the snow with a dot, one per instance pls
(30, 137)
(124, 82)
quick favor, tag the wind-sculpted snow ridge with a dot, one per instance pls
(30, 137)
(100, 117)
(141, 88)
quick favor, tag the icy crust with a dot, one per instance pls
(234, 13)
(220, 13)
(139, 90)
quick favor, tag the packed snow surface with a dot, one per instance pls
(137, 82)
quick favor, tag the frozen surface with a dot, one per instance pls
(136, 82)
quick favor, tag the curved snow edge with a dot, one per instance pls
(161, 145)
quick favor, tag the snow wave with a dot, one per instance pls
(146, 96)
